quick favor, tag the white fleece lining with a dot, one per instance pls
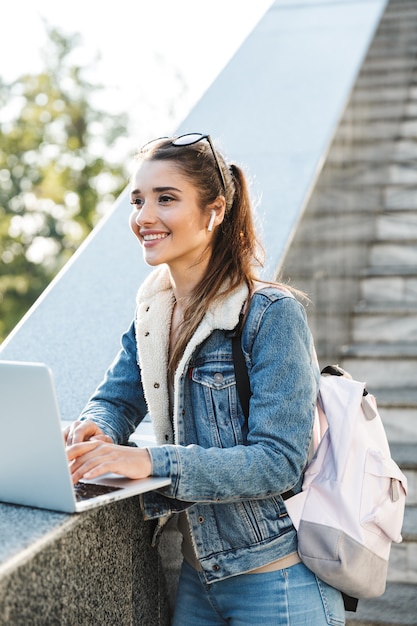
(155, 302)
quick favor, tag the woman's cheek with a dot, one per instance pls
(133, 225)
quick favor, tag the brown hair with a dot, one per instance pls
(236, 252)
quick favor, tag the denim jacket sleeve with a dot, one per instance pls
(118, 405)
(284, 382)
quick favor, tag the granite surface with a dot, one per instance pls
(93, 568)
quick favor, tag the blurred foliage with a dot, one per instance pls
(55, 181)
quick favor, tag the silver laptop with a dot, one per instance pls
(33, 464)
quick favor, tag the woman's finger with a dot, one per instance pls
(79, 449)
(83, 431)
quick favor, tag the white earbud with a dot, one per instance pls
(211, 222)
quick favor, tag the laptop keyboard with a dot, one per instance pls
(85, 491)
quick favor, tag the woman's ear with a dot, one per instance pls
(217, 213)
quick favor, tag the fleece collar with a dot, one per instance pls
(155, 301)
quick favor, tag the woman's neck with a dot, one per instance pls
(184, 283)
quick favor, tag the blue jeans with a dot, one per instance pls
(287, 597)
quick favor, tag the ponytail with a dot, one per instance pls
(235, 257)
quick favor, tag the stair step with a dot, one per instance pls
(401, 567)
(399, 397)
(377, 372)
(408, 129)
(404, 173)
(381, 351)
(381, 271)
(380, 52)
(386, 308)
(389, 289)
(332, 198)
(374, 130)
(391, 65)
(400, 197)
(399, 16)
(385, 324)
(396, 32)
(393, 254)
(375, 151)
(405, 455)
(399, 419)
(388, 94)
(326, 227)
(373, 79)
(330, 195)
(382, 365)
(399, 9)
(335, 200)
(399, 225)
(359, 112)
(340, 260)
(365, 173)
(409, 529)
(397, 607)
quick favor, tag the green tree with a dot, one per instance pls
(56, 174)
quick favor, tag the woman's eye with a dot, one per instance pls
(165, 199)
(136, 201)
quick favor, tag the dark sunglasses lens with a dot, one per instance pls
(188, 140)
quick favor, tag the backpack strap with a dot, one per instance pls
(244, 393)
(241, 371)
(243, 382)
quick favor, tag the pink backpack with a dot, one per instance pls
(351, 506)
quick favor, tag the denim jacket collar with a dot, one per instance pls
(155, 301)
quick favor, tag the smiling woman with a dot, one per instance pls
(228, 475)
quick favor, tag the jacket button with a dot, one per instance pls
(218, 377)
(147, 333)
(216, 568)
(156, 385)
(200, 519)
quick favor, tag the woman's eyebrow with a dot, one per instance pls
(160, 189)
(136, 192)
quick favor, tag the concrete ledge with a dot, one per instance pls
(94, 568)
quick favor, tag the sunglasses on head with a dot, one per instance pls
(188, 140)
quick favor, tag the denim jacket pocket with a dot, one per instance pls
(214, 389)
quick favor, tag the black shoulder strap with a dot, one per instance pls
(241, 372)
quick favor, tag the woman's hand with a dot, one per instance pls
(93, 458)
(84, 431)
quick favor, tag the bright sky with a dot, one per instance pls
(148, 49)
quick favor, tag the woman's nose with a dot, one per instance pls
(146, 215)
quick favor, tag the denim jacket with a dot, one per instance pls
(227, 472)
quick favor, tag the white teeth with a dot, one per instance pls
(151, 237)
